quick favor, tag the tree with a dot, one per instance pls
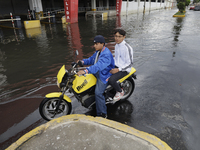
(187, 2)
(181, 6)
(195, 1)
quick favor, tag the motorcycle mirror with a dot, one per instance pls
(77, 53)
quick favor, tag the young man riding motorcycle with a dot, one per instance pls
(101, 63)
(123, 62)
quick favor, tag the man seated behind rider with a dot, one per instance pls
(123, 62)
(102, 62)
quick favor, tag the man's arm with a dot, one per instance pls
(90, 60)
(127, 55)
(102, 63)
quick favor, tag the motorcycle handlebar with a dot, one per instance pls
(80, 63)
(74, 65)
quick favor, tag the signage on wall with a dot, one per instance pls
(71, 10)
(67, 10)
(118, 7)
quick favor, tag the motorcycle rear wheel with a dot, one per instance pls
(128, 86)
(48, 105)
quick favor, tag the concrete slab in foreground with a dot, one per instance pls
(80, 132)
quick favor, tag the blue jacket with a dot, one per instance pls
(104, 64)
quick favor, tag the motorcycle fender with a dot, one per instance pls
(57, 94)
(125, 77)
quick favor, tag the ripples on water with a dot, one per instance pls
(35, 54)
(38, 53)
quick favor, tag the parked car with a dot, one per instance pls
(197, 8)
(191, 7)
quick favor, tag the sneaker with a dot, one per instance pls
(103, 115)
(118, 95)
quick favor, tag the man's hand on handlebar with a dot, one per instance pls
(80, 63)
(80, 72)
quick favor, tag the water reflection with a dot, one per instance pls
(118, 22)
(21, 34)
(94, 25)
(42, 51)
(3, 77)
(74, 39)
(177, 29)
(33, 32)
(1, 35)
(16, 36)
(120, 111)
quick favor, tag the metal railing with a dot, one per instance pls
(84, 8)
(105, 8)
(54, 10)
(97, 8)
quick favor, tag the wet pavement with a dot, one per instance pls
(165, 102)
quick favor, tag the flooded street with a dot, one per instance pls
(165, 102)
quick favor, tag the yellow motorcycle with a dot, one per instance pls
(58, 104)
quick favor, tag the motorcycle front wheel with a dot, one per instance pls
(48, 105)
(128, 86)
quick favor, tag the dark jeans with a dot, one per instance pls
(114, 78)
(99, 97)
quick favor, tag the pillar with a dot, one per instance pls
(118, 7)
(149, 5)
(107, 4)
(138, 6)
(93, 5)
(36, 5)
(156, 3)
(71, 10)
(18, 22)
(36, 8)
(127, 7)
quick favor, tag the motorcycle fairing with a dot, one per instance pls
(57, 94)
(83, 83)
(61, 73)
(133, 70)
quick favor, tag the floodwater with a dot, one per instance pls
(165, 102)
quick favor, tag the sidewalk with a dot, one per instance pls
(80, 132)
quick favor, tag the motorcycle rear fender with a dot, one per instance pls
(57, 94)
(133, 70)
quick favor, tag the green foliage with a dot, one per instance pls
(179, 13)
(181, 6)
(195, 1)
(187, 2)
(178, 1)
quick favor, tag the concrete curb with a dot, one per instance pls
(178, 15)
(152, 140)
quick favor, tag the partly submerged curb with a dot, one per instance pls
(89, 125)
(178, 15)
